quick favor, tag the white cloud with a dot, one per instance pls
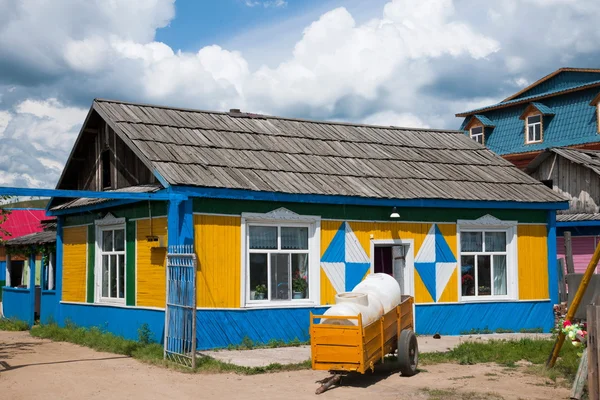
(385, 70)
(391, 118)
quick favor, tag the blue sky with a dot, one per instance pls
(389, 62)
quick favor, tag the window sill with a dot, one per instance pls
(280, 304)
(490, 299)
(110, 302)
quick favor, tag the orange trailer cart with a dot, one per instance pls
(342, 349)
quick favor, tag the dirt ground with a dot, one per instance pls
(31, 367)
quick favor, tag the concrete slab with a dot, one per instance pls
(295, 355)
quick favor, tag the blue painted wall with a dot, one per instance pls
(215, 328)
(48, 304)
(121, 321)
(454, 319)
(220, 328)
(2, 271)
(16, 304)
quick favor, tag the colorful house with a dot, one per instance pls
(283, 214)
(19, 222)
(550, 130)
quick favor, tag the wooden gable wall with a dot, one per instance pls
(84, 169)
(580, 184)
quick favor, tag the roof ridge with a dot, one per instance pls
(529, 99)
(266, 116)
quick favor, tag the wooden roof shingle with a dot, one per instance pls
(264, 153)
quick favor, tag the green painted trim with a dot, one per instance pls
(2, 284)
(130, 211)
(91, 243)
(130, 256)
(365, 213)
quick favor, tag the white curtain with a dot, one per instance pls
(499, 269)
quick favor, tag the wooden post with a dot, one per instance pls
(569, 253)
(562, 284)
(593, 349)
(581, 378)
(575, 304)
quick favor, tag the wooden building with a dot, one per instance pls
(283, 214)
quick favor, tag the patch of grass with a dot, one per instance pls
(507, 353)
(534, 330)
(14, 325)
(500, 330)
(490, 374)
(484, 331)
(146, 351)
(458, 378)
(452, 394)
(248, 344)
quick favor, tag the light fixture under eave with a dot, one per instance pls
(394, 213)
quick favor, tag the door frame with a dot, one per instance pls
(409, 257)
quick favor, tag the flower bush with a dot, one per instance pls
(576, 333)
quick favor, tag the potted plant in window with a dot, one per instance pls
(261, 291)
(299, 286)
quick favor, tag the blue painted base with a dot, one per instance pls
(48, 304)
(15, 304)
(456, 319)
(2, 271)
(221, 328)
(215, 328)
(120, 321)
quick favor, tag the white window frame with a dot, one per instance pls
(489, 223)
(533, 124)
(109, 223)
(474, 135)
(282, 217)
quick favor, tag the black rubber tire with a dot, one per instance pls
(408, 353)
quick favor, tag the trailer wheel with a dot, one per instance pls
(408, 353)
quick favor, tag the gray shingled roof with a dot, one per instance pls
(80, 202)
(578, 217)
(263, 153)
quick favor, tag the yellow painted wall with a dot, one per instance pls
(217, 243)
(151, 263)
(391, 230)
(533, 262)
(74, 264)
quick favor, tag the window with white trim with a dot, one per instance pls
(278, 262)
(488, 259)
(477, 134)
(110, 263)
(534, 129)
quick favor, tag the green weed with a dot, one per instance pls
(8, 324)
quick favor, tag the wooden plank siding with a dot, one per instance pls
(217, 243)
(579, 183)
(151, 263)
(533, 262)
(74, 264)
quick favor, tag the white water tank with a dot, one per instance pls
(384, 286)
(376, 295)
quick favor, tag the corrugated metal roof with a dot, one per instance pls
(544, 109)
(488, 123)
(528, 99)
(577, 217)
(574, 123)
(43, 237)
(264, 153)
(88, 202)
(22, 222)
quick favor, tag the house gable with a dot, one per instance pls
(560, 79)
(101, 160)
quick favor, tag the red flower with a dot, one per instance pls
(566, 323)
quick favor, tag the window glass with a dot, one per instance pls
(263, 237)
(294, 238)
(280, 276)
(534, 119)
(495, 241)
(258, 276)
(119, 238)
(121, 260)
(278, 263)
(105, 276)
(471, 241)
(484, 275)
(484, 271)
(107, 240)
(499, 275)
(113, 275)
